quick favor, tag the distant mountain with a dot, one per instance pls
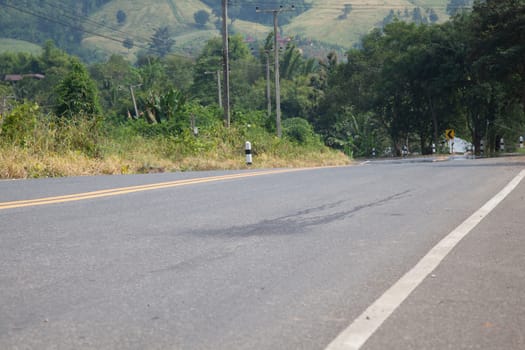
(127, 26)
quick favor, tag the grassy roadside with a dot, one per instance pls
(20, 163)
(34, 145)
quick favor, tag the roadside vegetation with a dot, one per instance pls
(38, 144)
(402, 87)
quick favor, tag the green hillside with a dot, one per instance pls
(143, 19)
(323, 22)
(11, 45)
(106, 24)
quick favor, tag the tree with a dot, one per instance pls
(77, 94)
(493, 88)
(433, 17)
(161, 42)
(179, 70)
(499, 43)
(418, 17)
(346, 11)
(121, 17)
(164, 107)
(201, 17)
(128, 43)
(210, 61)
(458, 6)
(113, 79)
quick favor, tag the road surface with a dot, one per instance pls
(257, 259)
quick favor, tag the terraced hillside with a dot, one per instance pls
(143, 18)
(326, 20)
(11, 45)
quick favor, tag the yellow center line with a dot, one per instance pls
(132, 189)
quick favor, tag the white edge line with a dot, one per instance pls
(364, 326)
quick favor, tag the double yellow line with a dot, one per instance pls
(132, 189)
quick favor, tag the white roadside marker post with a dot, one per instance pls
(248, 151)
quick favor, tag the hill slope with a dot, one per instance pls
(142, 19)
(323, 22)
(11, 45)
(112, 22)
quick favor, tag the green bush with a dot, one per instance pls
(19, 126)
(300, 131)
(80, 133)
(250, 118)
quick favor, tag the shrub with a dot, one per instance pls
(201, 17)
(19, 125)
(77, 94)
(121, 16)
(300, 131)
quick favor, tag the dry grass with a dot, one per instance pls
(35, 145)
(22, 163)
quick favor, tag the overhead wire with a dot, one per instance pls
(338, 5)
(121, 36)
(84, 30)
(86, 20)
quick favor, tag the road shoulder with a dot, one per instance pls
(474, 299)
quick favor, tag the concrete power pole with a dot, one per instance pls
(218, 86)
(226, 64)
(134, 100)
(276, 13)
(268, 92)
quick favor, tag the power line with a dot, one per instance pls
(86, 19)
(337, 5)
(62, 23)
(276, 12)
(120, 36)
(83, 30)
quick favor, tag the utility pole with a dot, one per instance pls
(133, 98)
(268, 93)
(218, 85)
(226, 64)
(276, 13)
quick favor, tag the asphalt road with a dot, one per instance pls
(276, 261)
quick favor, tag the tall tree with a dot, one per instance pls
(201, 17)
(161, 42)
(458, 6)
(205, 83)
(114, 77)
(499, 43)
(77, 94)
